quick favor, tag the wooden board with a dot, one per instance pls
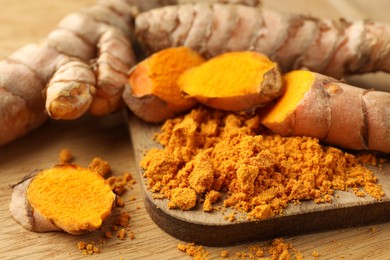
(211, 229)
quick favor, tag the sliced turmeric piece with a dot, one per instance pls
(65, 197)
(319, 106)
(152, 92)
(234, 81)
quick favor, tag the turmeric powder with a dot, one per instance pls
(65, 156)
(100, 166)
(211, 152)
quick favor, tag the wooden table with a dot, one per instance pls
(22, 22)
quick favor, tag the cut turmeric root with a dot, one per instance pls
(332, 111)
(233, 81)
(63, 198)
(152, 92)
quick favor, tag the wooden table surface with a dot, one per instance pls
(22, 22)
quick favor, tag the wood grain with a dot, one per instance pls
(22, 22)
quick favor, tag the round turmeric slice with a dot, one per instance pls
(66, 197)
(152, 92)
(234, 81)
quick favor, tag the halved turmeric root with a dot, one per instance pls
(233, 81)
(65, 197)
(152, 92)
(332, 111)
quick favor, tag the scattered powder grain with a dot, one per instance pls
(277, 249)
(119, 184)
(88, 248)
(209, 152)
(197, 252)
(282, 250)
(315, 254)
(121, 234)
(224, 253)
(107, 234)
(65, 156)
(119, 202)
(123, 220)
(99, 165)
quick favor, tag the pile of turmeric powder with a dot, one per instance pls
(209, 154)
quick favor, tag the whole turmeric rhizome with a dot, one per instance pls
(65, 197)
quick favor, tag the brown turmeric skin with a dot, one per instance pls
(332, 111)
(334, 48)
(260, 173)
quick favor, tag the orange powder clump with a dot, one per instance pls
(183, 198)
(197, 252)
(65, 156)
(100, 166)
(282, 250)
(120, 184)
(212, 152)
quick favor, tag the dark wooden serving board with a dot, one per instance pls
(211, 229)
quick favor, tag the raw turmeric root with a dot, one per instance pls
(100, 37)
(63, 198)
(62, 74)
(152, 92)
(233, 81)
(333, 48)
(339, 114)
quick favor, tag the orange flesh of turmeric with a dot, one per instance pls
(297, 83)
(74, 198)
(158, 74)
(227, 75)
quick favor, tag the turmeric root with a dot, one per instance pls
(233, 81)
(56, 74)
(152, 92)
(101, 29)
(339, 114)
(333, 48)
(63, 198)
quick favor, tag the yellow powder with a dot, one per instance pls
(65, 156)
(277, 250)
(209, 151)
(210, 198)
(100, 166)
(224, 253)
(121, 234)
(183, 198)
(119, 184)
(197, 252)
